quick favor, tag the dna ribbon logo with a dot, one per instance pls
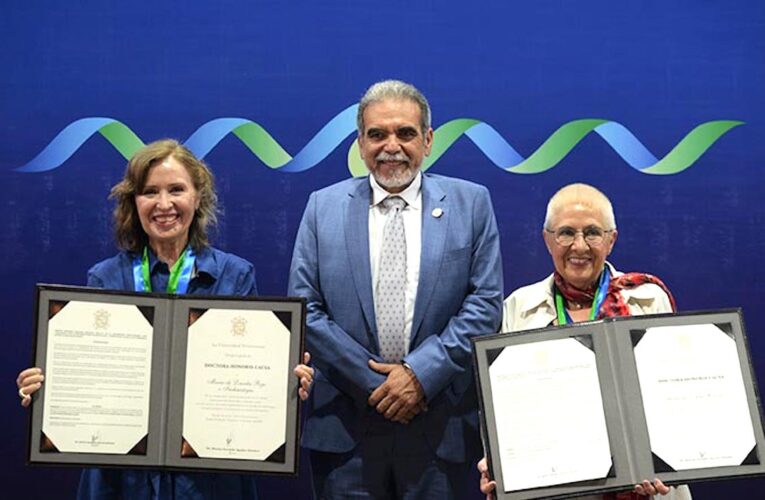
(484, 136)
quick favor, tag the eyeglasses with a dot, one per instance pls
(593, 235)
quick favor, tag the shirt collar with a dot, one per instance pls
(205, 263)
(411, 195)
(542, 292)
(539, 294)
(154, 262)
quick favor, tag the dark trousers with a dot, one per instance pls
(390, 463)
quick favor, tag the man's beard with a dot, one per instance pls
(398, 178)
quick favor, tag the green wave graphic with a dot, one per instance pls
(565, 139)
(122, 138)
(552, 151)
(556, 147)
(262, 145)
(691, 147)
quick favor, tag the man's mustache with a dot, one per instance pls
(389, 157)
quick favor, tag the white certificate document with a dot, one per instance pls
(97, 378)
(235, 398)
(551, 428)
(694, 398)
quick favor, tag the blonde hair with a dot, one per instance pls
(581, 194)
(127, 225)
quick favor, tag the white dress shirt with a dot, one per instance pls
(412, 215)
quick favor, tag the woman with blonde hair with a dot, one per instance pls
(165, 205)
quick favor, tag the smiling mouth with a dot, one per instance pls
(579, 261)
(165, 220)
(392, 163)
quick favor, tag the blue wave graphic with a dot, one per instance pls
(626, 145)
(65, 144)
(484, 136)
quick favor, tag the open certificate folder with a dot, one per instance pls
(599, 406)
(166, 381)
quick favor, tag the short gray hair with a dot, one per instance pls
(394, 89)
(581, 194)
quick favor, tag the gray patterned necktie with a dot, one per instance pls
(391, 283)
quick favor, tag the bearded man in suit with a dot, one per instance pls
(400, 269)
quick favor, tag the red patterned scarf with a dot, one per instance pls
(572, 293)
(614, 304)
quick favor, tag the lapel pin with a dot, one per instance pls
(437, 212)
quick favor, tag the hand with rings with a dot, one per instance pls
(29, 381)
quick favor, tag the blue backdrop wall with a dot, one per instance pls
(659, 69)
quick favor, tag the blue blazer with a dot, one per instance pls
(459, 295)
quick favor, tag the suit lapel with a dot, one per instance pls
(435, 222)
(357, 245)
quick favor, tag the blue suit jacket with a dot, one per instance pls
(459, 295)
